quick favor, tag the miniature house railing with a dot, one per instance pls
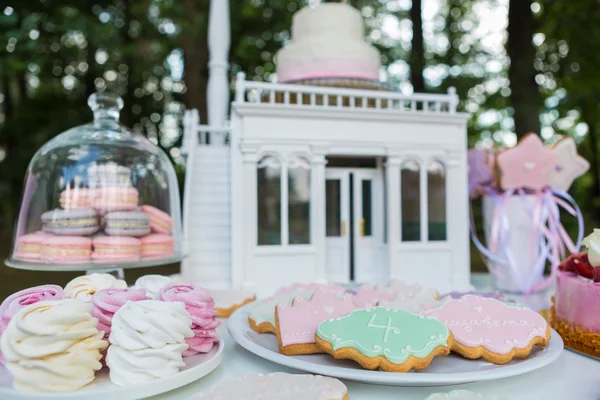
(196, 134)
(292, 95)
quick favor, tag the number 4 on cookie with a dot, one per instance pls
(387, 327)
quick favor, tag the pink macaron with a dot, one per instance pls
(108, 249)
(160, 221)
(157, 245)
(28, 247)
(114, 198)
(66, 249)
(72, 198)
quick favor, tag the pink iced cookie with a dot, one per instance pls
(72, 198)
(106, 302)
(28, 247)
(23, 298)
(278, 386)
(109, 249)
(296, 324)
(114, 198)
(156, 245)
(490, 329)
(528, 165)
(201, 308)
(66, 250)
(160, 221)
(308, 287)
(570, 165)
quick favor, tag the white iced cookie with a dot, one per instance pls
(152, 284)
(53, 346)
(412, 298)
(278, 386)
(228, 300)
(461, 395)
(83, 287)
(147, 341)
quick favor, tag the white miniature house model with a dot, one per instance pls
(315, 184)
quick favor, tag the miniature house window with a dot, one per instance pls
(299, 200)
(410, 204)
(436, 201)
(269, 201)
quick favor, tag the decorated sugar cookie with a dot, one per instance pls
(278, 386)
(262, 317)
(392, 340)
(296, 324)
(480, 173)
(528, 165)
(368, 295)
(570, 165)
(461, 395)
(414, 299)
(229, 300)
(490, 329)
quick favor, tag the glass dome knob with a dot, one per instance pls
(105, 105)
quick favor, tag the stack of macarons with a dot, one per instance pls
(101, 223)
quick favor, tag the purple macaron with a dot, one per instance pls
(126, 223)
(76, 222)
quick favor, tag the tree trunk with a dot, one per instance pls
(417, 53)
(525, 96)
(588, 116)
(128, 59)
(194, 42)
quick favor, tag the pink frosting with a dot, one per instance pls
(315, 69)
(577, 300)
(23, 298)
(298, 322)
(478, 321)
(309, 287)
(106, 302)
(369, 296)
(201, 307)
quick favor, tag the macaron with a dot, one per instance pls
(114, 198)
(66, 250)
(160, 221)
(108, 175)
(126, 223)
(72, 198)
(28, 247)
(109, 249)
(78, 222)
(157, 245)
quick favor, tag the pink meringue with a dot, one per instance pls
(21, 299)
(201, 307)
(106, 302)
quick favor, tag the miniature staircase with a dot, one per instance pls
(207, 217)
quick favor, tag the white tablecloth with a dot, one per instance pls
(571, 377)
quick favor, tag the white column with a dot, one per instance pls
(424, 199)
(392, 177)
(219, 40)
(249, 217)
(457, 217)
(317, 213)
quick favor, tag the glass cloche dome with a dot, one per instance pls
(98, 196)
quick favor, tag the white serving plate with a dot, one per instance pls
(102, 389)
(449, 370)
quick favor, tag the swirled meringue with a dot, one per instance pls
(83, 287)
(53, 346)
(106, 302)
(152, 284)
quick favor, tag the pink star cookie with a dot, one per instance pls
(570, 165)
(528, 165)
(490, 329)
(296, 324)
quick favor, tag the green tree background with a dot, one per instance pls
(540, 75)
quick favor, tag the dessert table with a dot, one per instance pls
(572, 376)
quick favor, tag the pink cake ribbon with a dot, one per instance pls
(106, 302)
(553, 238)
(23, 298)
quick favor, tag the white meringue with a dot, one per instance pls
(147, 341)
(53, 346)
(83, 287)
(152, 284)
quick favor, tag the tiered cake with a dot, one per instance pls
(327, 42)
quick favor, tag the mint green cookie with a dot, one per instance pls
(391, 333)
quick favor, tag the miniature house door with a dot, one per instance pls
(354, 213)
